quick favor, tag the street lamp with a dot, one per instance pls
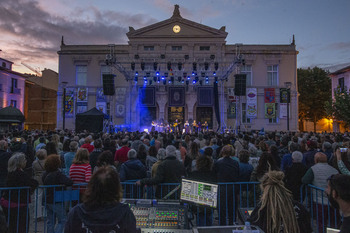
(288, 85)
(64, 85)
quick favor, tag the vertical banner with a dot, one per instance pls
(283, 95)
(120, 105)
(270, 110)
(270, 95)
(69, 102)
(251, 103)
(101, 100)
(283, 110)
(82, 94)
(82, 98)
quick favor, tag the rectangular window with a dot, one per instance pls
(275, 119)
(204, 48)
(148, 48)
(14, 83)
(247, 69)
(14, 103)
(272, 75)
(176, 48)
(81, 75)
(341, 84)
(245, 120)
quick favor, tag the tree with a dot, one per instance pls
(314, 86)
(339, 107)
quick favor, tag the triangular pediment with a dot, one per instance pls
(186, 29)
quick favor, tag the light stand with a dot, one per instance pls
(64, 84)
(288, 85)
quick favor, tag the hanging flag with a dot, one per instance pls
(270, 110)
(82, 94)
(270, 95)
(231, 112)
(283, 95)
(251, 103)
(69, 102)
(231, 95)
(283, 110)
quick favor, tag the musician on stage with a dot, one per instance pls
(187, 127)
(154, 124)
(194, 126)
(205, 126)
(176, 126)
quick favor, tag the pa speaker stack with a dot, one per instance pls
(240, 84)
(108, 84)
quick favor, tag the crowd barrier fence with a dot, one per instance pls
(28, 212)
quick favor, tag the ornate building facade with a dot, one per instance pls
(180, 70)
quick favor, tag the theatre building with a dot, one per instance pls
(180, 70)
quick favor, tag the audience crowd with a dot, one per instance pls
(32, 158)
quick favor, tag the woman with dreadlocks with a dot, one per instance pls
(276, 211)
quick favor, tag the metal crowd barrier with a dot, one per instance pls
(31, 212)
(322, 214)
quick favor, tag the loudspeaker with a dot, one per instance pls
(108, 84)
(240, 84)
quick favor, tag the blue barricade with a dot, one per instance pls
(322, 214)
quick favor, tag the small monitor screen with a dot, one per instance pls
(199, 193)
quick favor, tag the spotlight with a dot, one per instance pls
(206, 65)
(136, 73)
(216, 65)
(214, 73)
(182, 81)
(194, 81)
(133, 65)
(206, 81)
(179, 66)
(155, 65)
(163, 78)
(144, 78)
(142, 66)
(158, 80)
(193, 73)
(216, 79)
(157, 73)
(145, 81)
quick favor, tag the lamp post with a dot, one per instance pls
(64, 84)
(288, 85)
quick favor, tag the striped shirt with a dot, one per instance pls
(80, 173)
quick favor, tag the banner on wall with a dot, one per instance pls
(69, 103)
(270, 110)
(82, 94)
(231, 112)
(270, 95)
(251, 103)
(120, 105)
(283, 110)
(100, 97)
(81, 107)
(102, 106)
(120, 110)
(283, 95)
